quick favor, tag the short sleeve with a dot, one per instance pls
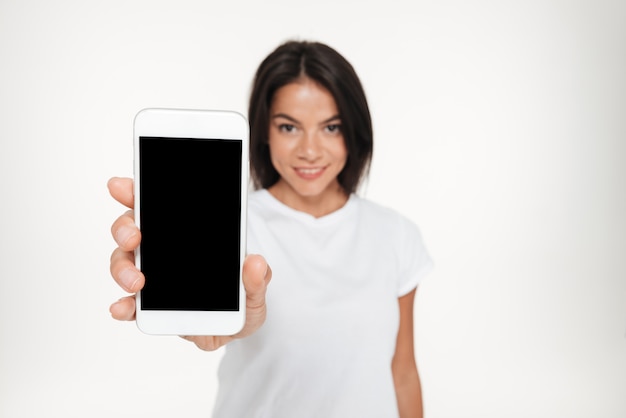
(414, 261)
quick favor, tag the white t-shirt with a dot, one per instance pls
(326, 347)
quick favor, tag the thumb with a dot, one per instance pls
(256, 276)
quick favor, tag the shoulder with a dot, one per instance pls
(255, 196)
(263, 208)
(398, 236)
(394, 228)
(258, 200)
(383, 215)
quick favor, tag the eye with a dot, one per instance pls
(334, 128)
(286, 127)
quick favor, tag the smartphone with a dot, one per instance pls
(191, 179)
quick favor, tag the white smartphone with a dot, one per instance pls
(191, 180)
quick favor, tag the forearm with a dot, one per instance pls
(403, 366)
(409, 394)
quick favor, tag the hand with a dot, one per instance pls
(256, 272)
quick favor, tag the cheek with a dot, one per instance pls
(281, 147)
(344, 158)
(278, 152)
(341, 152)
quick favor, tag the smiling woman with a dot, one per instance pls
(321, 351)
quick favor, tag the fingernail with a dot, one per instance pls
(128, 278)
(124, 233)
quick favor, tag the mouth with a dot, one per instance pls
(309, 172)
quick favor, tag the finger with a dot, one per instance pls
(123, 309)
(125, 231)
(121, 188)
(208, 343)
(256, 276)
(125, 272)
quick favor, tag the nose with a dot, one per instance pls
(310, 147)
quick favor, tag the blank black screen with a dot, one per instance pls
(190, 208)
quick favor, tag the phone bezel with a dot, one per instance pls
(191, 123)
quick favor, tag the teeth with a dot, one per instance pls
(309, 170)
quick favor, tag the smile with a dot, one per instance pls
(309, 172)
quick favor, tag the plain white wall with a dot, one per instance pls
(500, 129)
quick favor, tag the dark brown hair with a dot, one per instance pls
(294, 60)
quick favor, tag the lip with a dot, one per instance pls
(309, 173)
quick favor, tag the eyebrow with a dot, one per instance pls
(285, 116)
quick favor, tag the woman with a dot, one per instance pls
(336, 339)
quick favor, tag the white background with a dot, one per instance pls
(500, 129)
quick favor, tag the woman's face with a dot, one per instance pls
(307, 147)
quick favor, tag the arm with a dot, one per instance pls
(404, 368)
